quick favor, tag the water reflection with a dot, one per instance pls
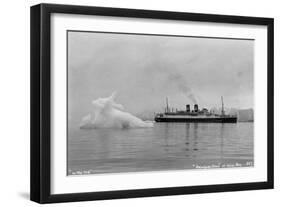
(187, 139)
(166, 137)
(195, 138)
(165, 146)
(222, 140)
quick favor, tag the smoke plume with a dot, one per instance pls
(179, 81)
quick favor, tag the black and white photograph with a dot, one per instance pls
(153, 102)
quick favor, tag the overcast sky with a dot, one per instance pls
(144, 69)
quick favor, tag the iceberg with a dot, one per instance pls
(106, 113)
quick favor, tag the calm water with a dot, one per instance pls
(166, 146)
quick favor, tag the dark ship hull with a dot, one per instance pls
(198, 120)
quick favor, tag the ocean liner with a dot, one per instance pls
(195, 115)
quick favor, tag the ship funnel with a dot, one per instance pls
(187, 108)
(196, 107)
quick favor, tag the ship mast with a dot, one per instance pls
(167, 104)
(222, 106)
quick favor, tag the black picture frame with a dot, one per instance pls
(40, 184)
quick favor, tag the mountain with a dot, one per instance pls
(246, 115)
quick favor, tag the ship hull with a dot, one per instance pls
(198, 120)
